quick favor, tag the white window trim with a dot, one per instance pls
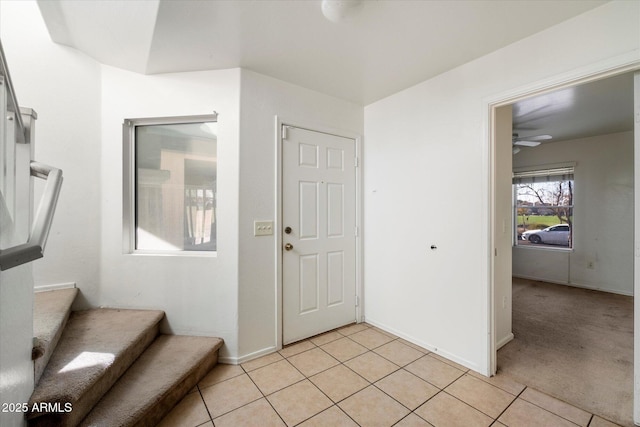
(539, 170)
(128, 182)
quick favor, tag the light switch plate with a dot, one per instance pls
(262, 228)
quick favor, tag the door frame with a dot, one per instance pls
(279, 122)
(614, 66)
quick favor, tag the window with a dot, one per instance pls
(543, 207)
(170, 184)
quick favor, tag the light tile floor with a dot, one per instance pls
(361, 376)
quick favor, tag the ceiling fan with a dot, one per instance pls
(529, 141)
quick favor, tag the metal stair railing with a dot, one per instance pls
(34, 248)
(13, 132)
(12, 102)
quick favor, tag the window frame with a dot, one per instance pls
(549, 171)
(129, 182)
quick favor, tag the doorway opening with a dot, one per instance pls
(567, 125)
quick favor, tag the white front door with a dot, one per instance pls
(319, 232)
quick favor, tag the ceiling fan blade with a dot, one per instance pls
(519, 114)
(539, 138)
(516, 150)
(527, 143)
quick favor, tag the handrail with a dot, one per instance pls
(12, 102)
(34, 248)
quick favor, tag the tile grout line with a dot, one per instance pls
(400, 403)
(264, 396)
(485, 380)
(447, 361)
(509, 405)
(318, 388)
(340, 336)
(352, 394)
(400, 420)
(346, 360)
(411, 373)
(305, 377)
(443, 390)
(267, 364)
(435, 385)
(373, 384)
(221, 382)
(547, 410)
(590, 420)
(469, 405)
(347, 367)
(243, 405)
(370, 383)
(205, 405)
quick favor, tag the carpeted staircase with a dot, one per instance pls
(109, 367)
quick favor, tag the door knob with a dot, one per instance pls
(287, 230)
(288, 247)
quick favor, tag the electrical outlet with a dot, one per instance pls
(262, 228)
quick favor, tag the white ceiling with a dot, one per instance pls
(597, 108)
(389, 46)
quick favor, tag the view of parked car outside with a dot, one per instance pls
(544, 212)
(554, 235)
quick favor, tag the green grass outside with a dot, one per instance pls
(534, 222)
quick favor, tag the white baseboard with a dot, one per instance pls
(431, 348)
(228, 360)
(576, 285)
(504, 341)
(54, 287)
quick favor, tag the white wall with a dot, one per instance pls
(63, 86)
(81, 107)
(603, 215)
(198, 293)
(262, 99)
(424, 149)
(234, 294)
(426, 182)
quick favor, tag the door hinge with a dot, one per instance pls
(495, 251)
(285, 132)
(357, 301)
(356, 162)
(356, 231)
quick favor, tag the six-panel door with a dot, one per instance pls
(319, 252)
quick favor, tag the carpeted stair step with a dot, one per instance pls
(51, 311)
(95, 349)
(156, 382)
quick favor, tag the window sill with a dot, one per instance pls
(543, 248)
(186, 254)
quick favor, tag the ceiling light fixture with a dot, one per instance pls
(338, 11)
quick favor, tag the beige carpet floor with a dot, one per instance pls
(574, 344)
